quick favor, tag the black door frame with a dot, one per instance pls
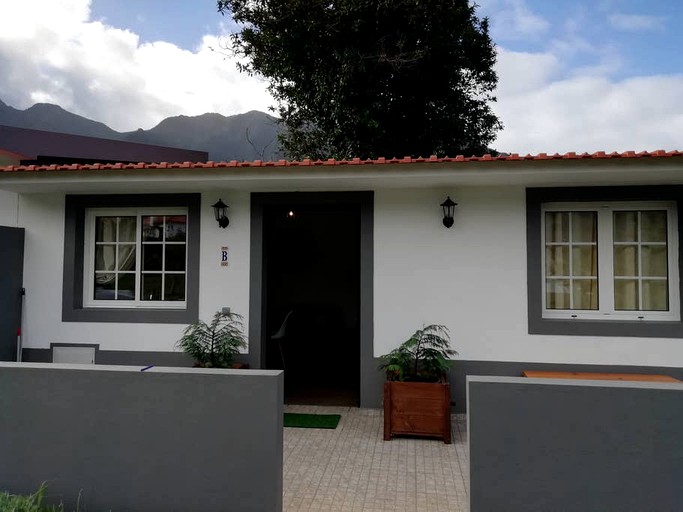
(365, 200)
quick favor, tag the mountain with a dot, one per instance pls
(249, 136)
(53, 118)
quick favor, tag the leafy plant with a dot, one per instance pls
(214, 345)
(31, 503)
(424, 357)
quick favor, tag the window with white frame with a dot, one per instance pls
(615, 261)
(135, 257)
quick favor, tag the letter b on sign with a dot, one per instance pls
(224, 256)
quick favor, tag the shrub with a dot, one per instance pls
(214, 345)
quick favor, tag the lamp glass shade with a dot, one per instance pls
(448, 207)
(219, 210)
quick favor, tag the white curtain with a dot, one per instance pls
(106, 254)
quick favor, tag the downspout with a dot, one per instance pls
(21, 318)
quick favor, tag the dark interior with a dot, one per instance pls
(312, 280)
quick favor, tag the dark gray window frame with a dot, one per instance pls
(535, 197)
(74, 233)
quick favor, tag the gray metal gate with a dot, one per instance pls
(11, 274)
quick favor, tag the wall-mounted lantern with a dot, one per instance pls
(448, 210)
(220, 210)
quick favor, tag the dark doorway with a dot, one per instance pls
(311, 256)
(11, 273)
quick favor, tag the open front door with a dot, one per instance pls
(11, 274)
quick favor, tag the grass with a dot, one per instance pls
(31, 503)
(311, 420)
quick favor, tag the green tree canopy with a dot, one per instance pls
(370, 78)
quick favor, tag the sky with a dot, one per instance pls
(574, 75)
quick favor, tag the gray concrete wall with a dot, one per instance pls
(546, 444)
(163, 439)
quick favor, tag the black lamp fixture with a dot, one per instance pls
(220, 210)
(448, 210)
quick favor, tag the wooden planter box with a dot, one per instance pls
(417, 409)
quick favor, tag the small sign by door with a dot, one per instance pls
(224, 256)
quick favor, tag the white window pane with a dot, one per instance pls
(584, 227)
(175, 257)
(126, 287)
(636, 243)
(174, 287)
(127, 229)
(654, 260)
(151, 287)
(152, 228)
(152, 263)
(105, 286)
(105, 257)
(626, 260)
(126, 257)
(557, 294)
(584, 261)
(557, 260)
(625, 226)
(655, 295)
(152, 256)
(557, 227)
(105, 229)
(626, 294)
(176, 228)
(653, 226)
(585, 293)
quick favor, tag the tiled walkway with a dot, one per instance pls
(352, 469)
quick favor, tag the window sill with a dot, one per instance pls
(177, 306)
(130, 315)
(614, 317)
(619, 328)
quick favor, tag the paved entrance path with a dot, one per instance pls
(351, 468)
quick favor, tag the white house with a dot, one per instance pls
(553, 262)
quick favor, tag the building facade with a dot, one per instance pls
(557, 262)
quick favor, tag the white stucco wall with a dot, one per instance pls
(425, 273)
(472, 278)
(8, 208)
(225, 286)
(43, 217)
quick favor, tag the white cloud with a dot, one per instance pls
(585, 112)
(635, 22)
(513, 19)
(51, 51)
(522, 72)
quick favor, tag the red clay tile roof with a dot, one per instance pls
(514, 157)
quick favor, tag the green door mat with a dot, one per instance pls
(311, 420)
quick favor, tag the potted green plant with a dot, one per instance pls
(417, 395)
(216, 344)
